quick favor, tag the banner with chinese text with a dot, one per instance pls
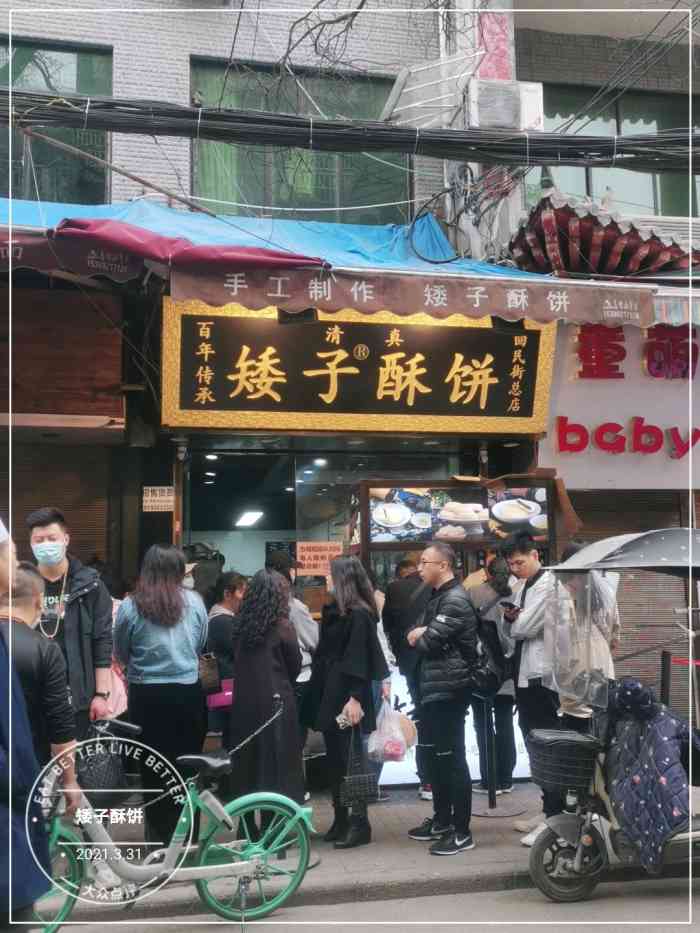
(236, 368)
(542, 299)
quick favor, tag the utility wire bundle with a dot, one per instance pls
(667, 151)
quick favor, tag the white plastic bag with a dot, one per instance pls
(387, 742)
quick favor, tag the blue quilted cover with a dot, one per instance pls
(647, 783)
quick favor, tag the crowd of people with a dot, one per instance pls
(73, 645)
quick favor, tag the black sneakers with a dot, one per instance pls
(428, 830)
(452, 844)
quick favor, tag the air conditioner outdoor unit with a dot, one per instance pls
(508, 105)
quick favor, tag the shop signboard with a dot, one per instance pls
(620, 414)
(240, 369)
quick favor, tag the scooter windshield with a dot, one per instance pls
(581, 621)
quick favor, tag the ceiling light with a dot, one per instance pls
(298, 480)
(208, 473)
(511, 444)
(320, 462)
(248, 518)
(208, 482)
(308, 472)
(211, 457)
(430, 443)
(289, 488)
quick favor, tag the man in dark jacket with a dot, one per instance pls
(447, 645)
(406, 599)
(77, 614)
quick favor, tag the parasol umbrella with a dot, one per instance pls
(664, 550)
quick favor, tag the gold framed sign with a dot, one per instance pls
(236, 368)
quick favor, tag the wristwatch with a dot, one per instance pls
(104, 696)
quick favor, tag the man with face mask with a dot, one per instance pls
(77, 616)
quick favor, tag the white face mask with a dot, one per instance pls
(188, 582)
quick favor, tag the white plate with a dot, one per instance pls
(534, 509)
(400, 512)
(421, 520)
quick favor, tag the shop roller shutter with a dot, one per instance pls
(74, 479)
(646, 600)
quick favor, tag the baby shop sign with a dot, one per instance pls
(618, 419)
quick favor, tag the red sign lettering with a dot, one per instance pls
(572, 437)
(669, 353)
(646, 438)
(607, 437)
(601, 349)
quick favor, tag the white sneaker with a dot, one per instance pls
(531, 838)
(425, 792)
(526, 826)
(101, 873)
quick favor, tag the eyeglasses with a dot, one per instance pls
(422, 562)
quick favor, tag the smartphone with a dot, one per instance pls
(343, 722)
(511, 607)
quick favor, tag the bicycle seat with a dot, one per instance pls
(214, 764)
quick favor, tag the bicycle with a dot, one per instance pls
(259, 841)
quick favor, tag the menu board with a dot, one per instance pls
(458, 515)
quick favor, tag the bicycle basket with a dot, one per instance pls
(562, 761)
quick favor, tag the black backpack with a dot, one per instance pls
(491, 670)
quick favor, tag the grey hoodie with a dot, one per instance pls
(307, 635)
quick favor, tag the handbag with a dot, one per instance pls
(360, 784)
(101, 771)
(224, 697)
(209, 675)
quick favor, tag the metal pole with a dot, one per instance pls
(491, 763)
(665, 688)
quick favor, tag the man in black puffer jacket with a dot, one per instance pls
(447, 645)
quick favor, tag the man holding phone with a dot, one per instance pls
(537, 705)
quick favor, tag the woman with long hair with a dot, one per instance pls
(487, 599)
(160, 632)
(267, 662)
(348, 661)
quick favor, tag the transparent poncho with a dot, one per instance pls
(581, 624)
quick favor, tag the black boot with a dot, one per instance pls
(340, 825)
(359, 834)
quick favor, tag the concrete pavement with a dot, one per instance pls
(663, 902)
(392, 867)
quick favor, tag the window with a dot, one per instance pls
(297, 178)
(634, 193)
(39, 170)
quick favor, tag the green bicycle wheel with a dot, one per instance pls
(55, 907)
(266, 829)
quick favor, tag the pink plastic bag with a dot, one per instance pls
(387, 742)
(223, 698)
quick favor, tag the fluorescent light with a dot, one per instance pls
(208, 482)
(289, 488)
(320, 462)
(308, 472)
(211, 457)
(209, 474)
(248, 518)
(298, 480)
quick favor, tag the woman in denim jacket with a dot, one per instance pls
(161, 631)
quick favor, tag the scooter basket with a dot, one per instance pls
(562, 761)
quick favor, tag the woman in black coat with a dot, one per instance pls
(348, 659)
(267, 661)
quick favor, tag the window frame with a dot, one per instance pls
(61, 45)
(616, 104)
(269, 155)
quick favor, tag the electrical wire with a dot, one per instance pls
(666, 151)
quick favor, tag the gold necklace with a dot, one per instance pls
(60, 615)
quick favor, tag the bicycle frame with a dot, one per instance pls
(203, 801)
